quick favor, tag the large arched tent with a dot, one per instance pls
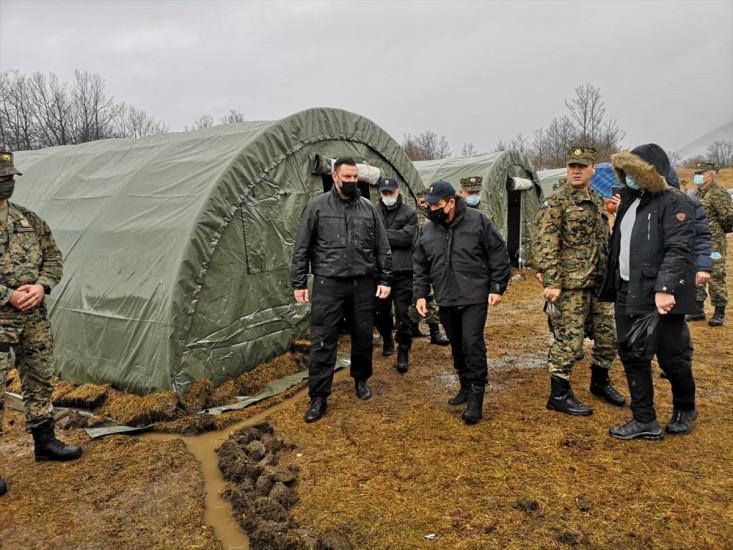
(510, 192)
(549, 179)
(178, 247)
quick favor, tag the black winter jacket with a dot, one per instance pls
(662, 257)
(339, 238)
(463, 261)
(703, 248)
(400, 221)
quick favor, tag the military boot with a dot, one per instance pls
(316, 410)
(475, 405)
(600, 385)
(698, 314)
(387, 344)
(435, 335)
(3, 487)
(562, 399)
(462, 395)
(718, 317)
(403, 358)
(681, 422)
(47, 447)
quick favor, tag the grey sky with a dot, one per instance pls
(472, 71)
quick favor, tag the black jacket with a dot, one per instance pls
(662, 257)
(703, 248)
(400, 221)
(339, 238)
(463, 261)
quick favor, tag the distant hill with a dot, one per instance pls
(701, 144)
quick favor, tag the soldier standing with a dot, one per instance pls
(471, 190)
(719, 211)
(31, 267)
(572, 236)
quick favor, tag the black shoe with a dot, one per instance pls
(600, 385)
(718, 317)
(388, 347)
(436, 337)
(475, 405)
(3, 487)
(317, 409)
(698, 314)
(562, 399)
(403, 358)
(47, 447)
(681, 422)
(362, 390)
(634, 429)
(415, 330)
(462, 395)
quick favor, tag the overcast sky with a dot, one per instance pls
(473, 71)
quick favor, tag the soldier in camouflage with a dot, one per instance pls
(719, 211)
(30, 266)
(471, 190)
(571, 240)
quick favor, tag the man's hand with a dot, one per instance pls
(301, 295)
(665, 302)
(552, 294)
(27, 297)
(539, 277)
(422, 306)
(382, 291)
(494, 299)
(701, 278)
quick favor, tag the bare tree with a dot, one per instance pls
(675, 159)
(538, 149)
(721, 153)
(468, 150)
(426, 146)
(130, 122)
(559, 137)
(500, 146)
(587, 110)
(519, 143)
(233, 117)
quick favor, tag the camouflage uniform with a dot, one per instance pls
(28, 255)
(719, 211)
(431, 317)
(571, 239)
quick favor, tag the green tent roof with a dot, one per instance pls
(178, 247)
(550, 178)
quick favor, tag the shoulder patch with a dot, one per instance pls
(680, 216)
(544, 204)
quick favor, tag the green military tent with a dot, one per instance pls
(510, 192)
(178, 247)
(550, 178)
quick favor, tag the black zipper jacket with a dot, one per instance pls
(400, 221)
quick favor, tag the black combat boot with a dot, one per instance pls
(415, 330)
(681, 422)
(475, 405)
(387, 344)
(634, 429)
(47, 447)
(698, 314)
(403, 358)
(362, 389)
(600, 385)
(3, 487)
(462, 395)
(562, 399)
(435, 335)
(316, 410)
(718, 317)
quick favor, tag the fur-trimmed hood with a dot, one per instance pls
(646, 164)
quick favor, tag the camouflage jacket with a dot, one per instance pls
(571, 240)
(28, 252)
(718, 209)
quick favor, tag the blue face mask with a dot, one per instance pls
(473, 200)
(698, 179)
(631, 184)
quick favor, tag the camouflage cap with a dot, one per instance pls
(705, 166)
(581, 155)
(472, 184)
(7, 168)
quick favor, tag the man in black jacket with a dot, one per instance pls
(400, 221)
(343, 241)
(652, 268)
(464, 258)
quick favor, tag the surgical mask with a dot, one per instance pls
(631, 184)
(349, 189)
(473, 200)
(698, 179)
(6, 189)
(389, 200)
(438, 216)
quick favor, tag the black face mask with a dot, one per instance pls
(438, 216)
(349, 189)
(6, 189)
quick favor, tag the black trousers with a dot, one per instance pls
(331, 298)
(401, 296)
(464, 326)
(674, 354)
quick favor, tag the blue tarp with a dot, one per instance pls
(604, 179)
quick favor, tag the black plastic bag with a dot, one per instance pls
(640, 342)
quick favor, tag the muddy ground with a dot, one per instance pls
(403, 471)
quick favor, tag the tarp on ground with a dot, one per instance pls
(511, 209)
(177, 248)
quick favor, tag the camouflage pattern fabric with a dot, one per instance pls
(719, 211)
(569, 329)
(716, 286)
(432, 315)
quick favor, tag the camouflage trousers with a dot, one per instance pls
(432, 316)
(28, 333)
(577, 308)
(716, 285)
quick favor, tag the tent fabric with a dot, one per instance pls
(604, 179)
(177, 248)
(512, 212)
(550, 178)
